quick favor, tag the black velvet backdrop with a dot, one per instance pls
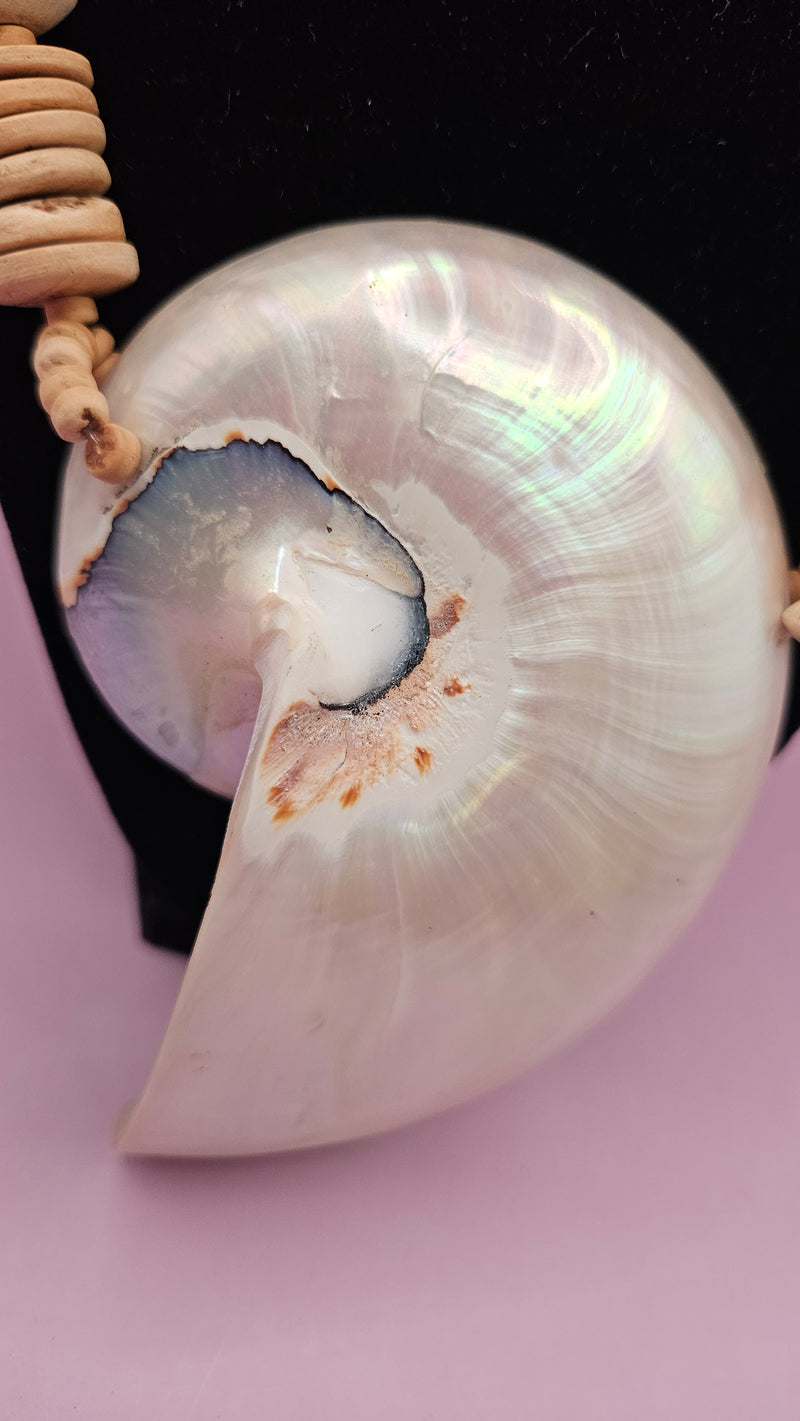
(655, 142)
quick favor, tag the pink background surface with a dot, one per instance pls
(616, 1237)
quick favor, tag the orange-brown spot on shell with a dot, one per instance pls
(233, 435)
(422, 759)
(448, 614)
(317, 755)
(454, 687)
(279, 794)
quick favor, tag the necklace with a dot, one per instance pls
(476, 558)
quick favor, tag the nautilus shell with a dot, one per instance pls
(455, 568)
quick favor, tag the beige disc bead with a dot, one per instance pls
(51, 128)
(103, 345)
(106, 367)
(16, 34)
(80, 309)
(38, 275)
(63, 343)
(113, 454)
(37, 15)
(77, 410)
(28, 95)
(59, 219)
(52, 170)
(25, 61)
(66, 377)
(59, 376)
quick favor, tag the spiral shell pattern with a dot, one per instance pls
(60, 238)
(426, 889)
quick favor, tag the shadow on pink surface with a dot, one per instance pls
(613, 1237)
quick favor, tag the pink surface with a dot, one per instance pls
(614, 1238)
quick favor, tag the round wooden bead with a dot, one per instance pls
(76, 410)
(61, 354)
(66, 377)
(80, 309)
(106, 367)
(16, 34)
(52, 170)
(24, 61)
(27, 95)
(63, 342)
(37, 275)
(59, 219)
(103, 344)
(66, 330)
(51, 128)
(37, 15)
(113, 454)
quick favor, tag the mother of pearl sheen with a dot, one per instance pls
(459, 570)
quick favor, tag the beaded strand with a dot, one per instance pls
(62, 242)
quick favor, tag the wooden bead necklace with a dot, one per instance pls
(62, 243)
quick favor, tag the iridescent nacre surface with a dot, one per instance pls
(461, 832)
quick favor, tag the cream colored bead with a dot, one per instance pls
(52, 170)
(44, 220)
(76, 411)
(106, 367)
(76, 330)
(16, 34)
(57, 347)
(64, 377)
(65, 355)
(113, 454)
(24, 61)
(32, 277)
(28, 95)
(38, 15)
(103, 344)
(51, 128)
(80, 309)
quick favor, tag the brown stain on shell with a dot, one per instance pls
(454, 687)
(315, 755)
(448, 614)
(235, 434)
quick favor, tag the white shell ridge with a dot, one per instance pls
(460, 569)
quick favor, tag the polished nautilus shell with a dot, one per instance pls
(458, 571)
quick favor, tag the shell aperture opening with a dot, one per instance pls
(226, 552)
